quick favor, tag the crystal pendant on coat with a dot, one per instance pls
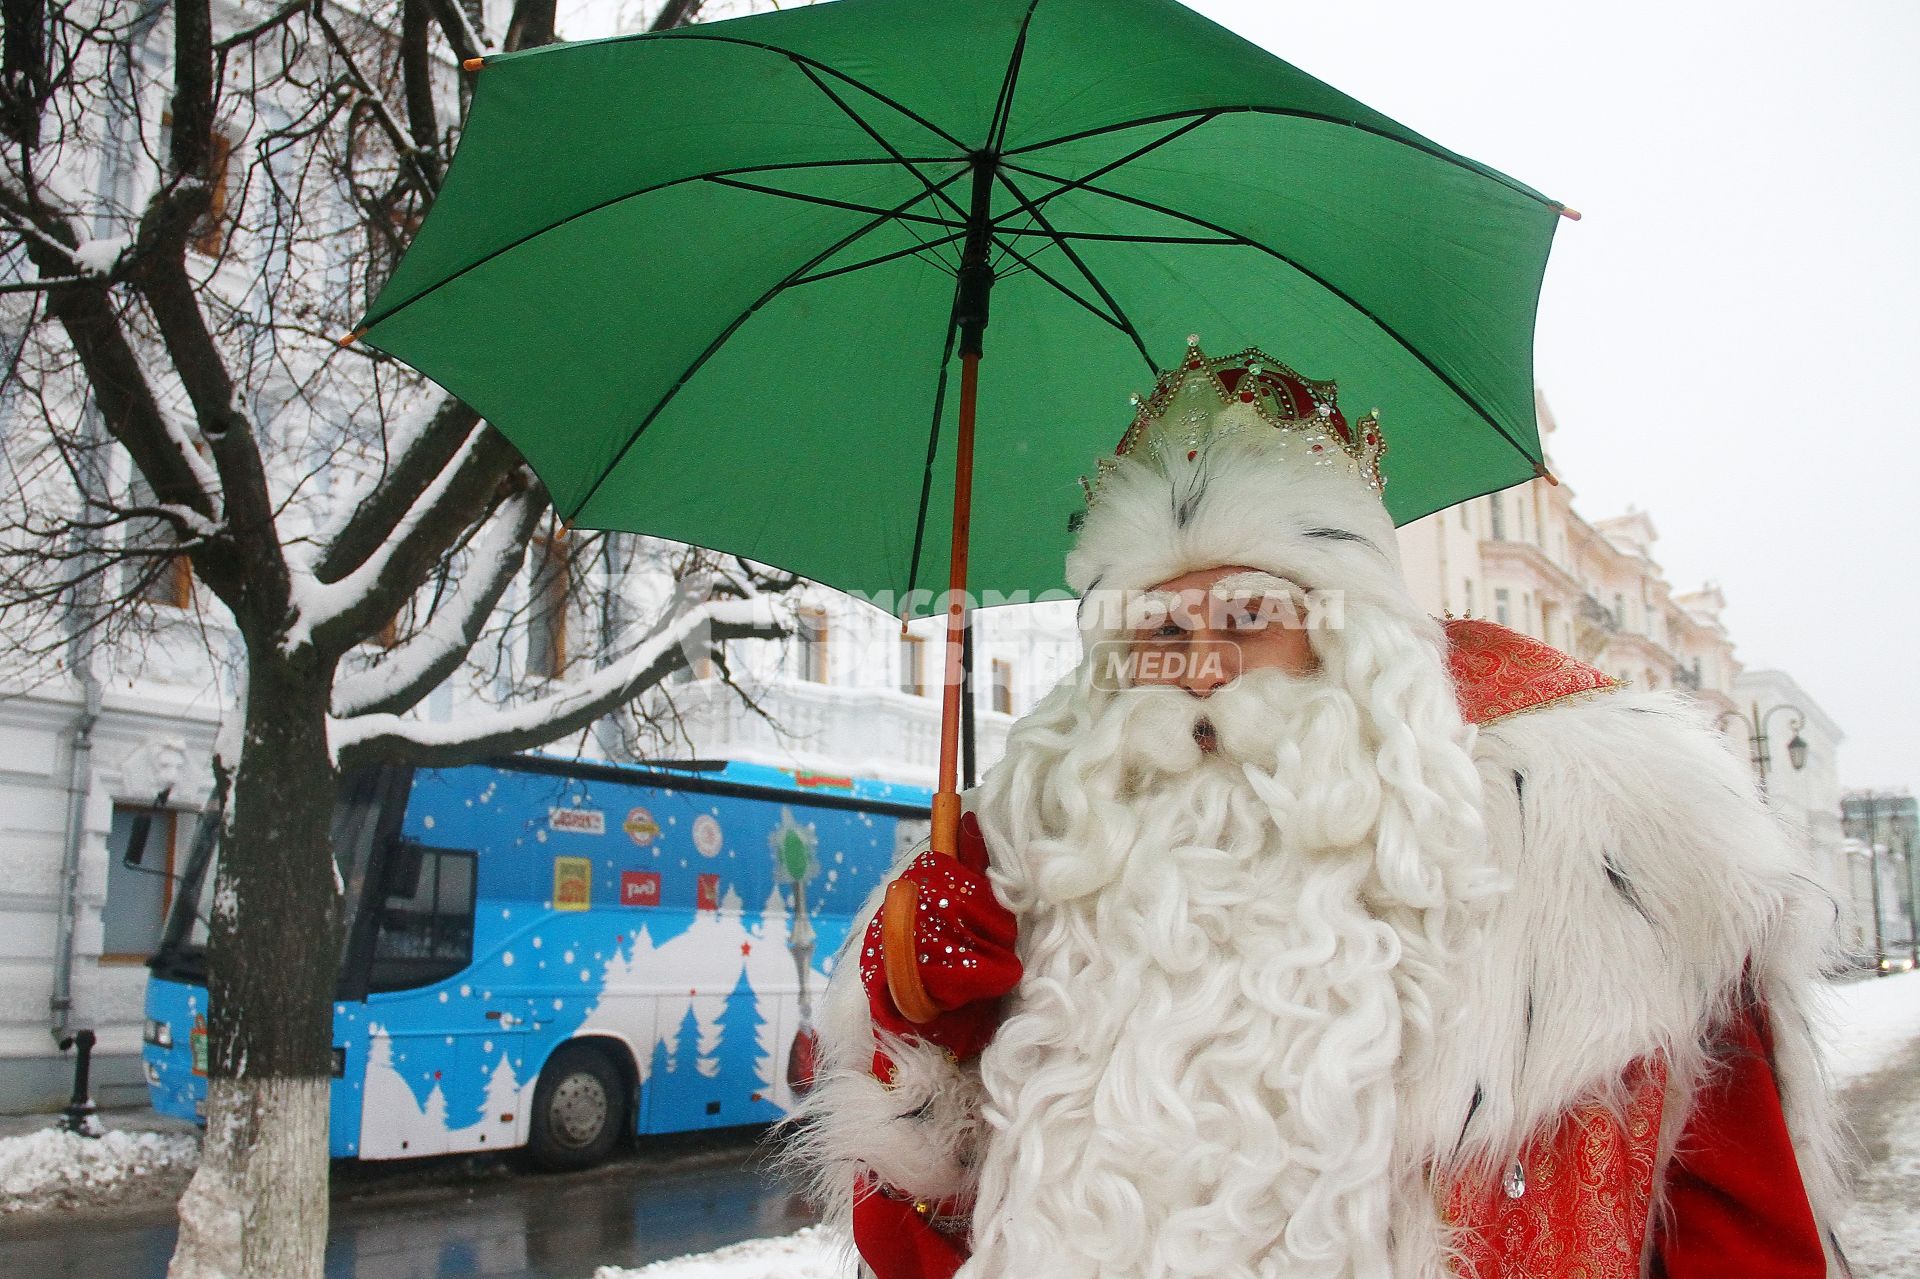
(1515, 1182)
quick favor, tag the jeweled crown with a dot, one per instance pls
(1207, 399)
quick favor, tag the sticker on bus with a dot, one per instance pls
(640, 827)
(639, 888)
(577, 821)
(572, 883)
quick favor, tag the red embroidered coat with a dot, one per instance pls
(1579, 1204)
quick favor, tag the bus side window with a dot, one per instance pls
(424, 932)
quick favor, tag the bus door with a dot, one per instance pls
(444, 1054)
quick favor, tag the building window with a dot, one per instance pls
(165, 580)
(810, 645)
(210, 231)
(1501, 601)
(912, 664)
(168, 582)
(1468, 583)
(138, 895)
(1499, 501)
(1619, 609)
(547, 606)
(1003, 686)
(1466, 516)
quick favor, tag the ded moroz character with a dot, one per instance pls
(1311, 936)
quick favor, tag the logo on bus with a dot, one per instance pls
(640, 826)
(707, 892)
(572, 883)
(577, 821)
(707, 836)
(639, 888)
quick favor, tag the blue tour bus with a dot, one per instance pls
(551, 954)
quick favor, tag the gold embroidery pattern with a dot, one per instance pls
(1583, 1213)
(1499, 672)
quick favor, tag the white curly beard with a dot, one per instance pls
(1233, 960)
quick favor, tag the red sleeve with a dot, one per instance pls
(1738, 1206)
(898, 1241)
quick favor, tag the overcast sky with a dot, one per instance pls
(1730, 339)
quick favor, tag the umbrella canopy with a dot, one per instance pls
(705, 280)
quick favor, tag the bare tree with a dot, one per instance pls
(193, 201)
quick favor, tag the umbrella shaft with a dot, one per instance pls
(946, 802)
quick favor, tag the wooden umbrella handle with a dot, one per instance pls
(897, 949)
(902, 899)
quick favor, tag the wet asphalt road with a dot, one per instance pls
(467, 1218)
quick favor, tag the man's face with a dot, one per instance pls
(1208, 627)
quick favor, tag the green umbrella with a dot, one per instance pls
(728, 284)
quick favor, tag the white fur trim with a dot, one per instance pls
(919, 1135)
(1239, 501)
(1645, 879)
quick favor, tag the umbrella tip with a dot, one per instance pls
(1571, 215)
(1541, 472)
(474, 64)
(351, 338)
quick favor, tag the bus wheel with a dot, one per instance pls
(579, 1109)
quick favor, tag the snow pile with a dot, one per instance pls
(51, 1167)
(1869, 1023)
(812, 1253)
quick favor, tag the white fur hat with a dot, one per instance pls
(1242, 461)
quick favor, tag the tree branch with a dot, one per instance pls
(387, 737)
(202, 370)
(336, 615)
(419, 457)
(458, 32)
(191, 148)
(432, 656)
(676, 13)
(416, 73)
(531, 24)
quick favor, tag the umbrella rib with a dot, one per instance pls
(1068, 186)
(1116, 237)
(1003, 109)
(1102, 171)
(874, 133)
(1324, 283)
(608, 203)
(926, 473)
(721, 340)
(916, 251)
(1126, 325)
(802, 60)
(831, 203)
(1420, 145)
(1028, 263)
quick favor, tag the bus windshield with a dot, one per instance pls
(368, 807)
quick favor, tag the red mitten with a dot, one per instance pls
(965, 939)
(899, 1241)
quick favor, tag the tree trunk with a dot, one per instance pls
(257, 1207)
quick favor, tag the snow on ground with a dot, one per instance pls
(813, 1253)
(1870, 1022)
(52, 1168)
(1873, 1046)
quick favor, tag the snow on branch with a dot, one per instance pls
(437, 650)
(366, 738)
(323, 606)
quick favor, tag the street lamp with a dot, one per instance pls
(1756, 727)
